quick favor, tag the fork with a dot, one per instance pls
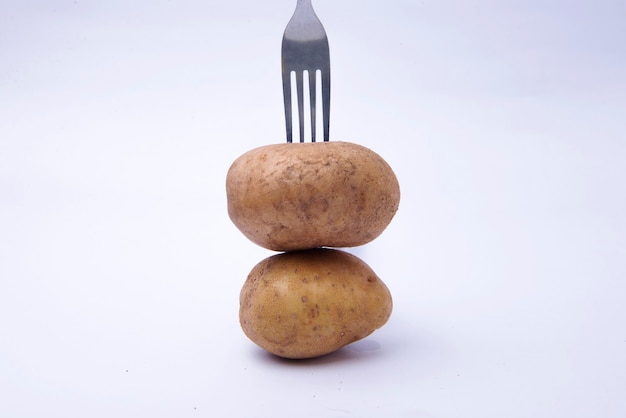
(305, 49)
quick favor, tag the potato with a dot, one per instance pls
(305, 304)
(297, 196)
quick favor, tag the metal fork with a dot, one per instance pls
(305, 49)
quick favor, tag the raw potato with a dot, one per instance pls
(309, 303)
(297, 196)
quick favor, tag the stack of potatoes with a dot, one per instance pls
(303, 199)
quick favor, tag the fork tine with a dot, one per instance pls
(287, 102)
(300, 92)
(312, 101)
(326, 102)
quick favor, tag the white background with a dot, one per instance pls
(120, 270)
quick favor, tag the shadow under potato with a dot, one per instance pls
(358, 350)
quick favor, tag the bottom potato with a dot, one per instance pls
(305, 304)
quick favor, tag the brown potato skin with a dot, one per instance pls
(309, 303)
(287, 197)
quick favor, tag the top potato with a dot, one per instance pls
(298, 196)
